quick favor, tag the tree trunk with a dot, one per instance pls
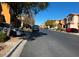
(21, 24)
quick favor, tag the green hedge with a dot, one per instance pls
(60, 29)
(3, 37)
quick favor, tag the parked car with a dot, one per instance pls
(13, 31)
(1, 28)
(17, 32)
(4, 27)
(72, 30)
(35, 28)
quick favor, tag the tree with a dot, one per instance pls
(50, 23)
(27, 7)
(30, 8)
(29, 20)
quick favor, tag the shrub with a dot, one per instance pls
(58, 29)
(3, 37)
(61, 29)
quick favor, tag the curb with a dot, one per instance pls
(13, 49)
(72, 33)
(68, 33)
(19, 49)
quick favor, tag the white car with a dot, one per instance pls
(18, 32)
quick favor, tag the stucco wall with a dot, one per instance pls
(75, 22)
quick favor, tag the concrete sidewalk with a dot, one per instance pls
(70, 33)
(13, 43)
(19, 49)
(74, 33)
(13, 47)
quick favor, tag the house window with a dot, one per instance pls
(70, 19)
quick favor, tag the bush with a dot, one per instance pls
(63, 29)
(60, 29)
(3, 37)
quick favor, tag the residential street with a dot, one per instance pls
(52, 44)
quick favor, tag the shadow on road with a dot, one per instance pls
(33, 35)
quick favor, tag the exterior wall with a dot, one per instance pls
(62, 22)
(43, 26)
(74, 23)
(59, 23)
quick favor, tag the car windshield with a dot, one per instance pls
(35, 26)
(17, 29)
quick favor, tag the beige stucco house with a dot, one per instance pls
(72, 21)
(59, 23)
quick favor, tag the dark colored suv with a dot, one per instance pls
(35, 28)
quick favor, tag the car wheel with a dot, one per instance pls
(75, 31)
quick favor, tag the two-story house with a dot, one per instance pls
(72, 21)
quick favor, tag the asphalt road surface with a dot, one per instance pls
(51, 44)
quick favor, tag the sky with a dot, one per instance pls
(57, 11)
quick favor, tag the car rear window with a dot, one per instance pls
(35, 26)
